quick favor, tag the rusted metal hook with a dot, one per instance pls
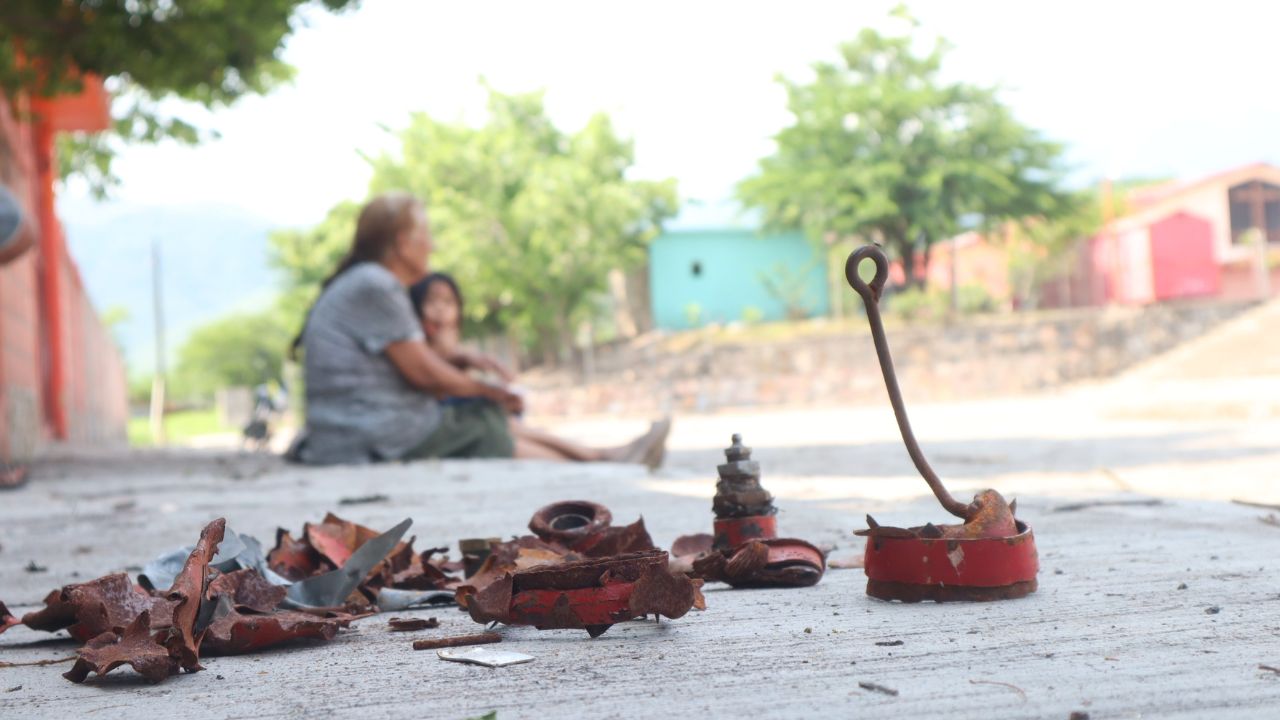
(870, 293)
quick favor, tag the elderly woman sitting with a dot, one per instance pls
(373, 384)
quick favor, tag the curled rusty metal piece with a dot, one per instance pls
(991, 556)
(776, 562)
(585, 528)
(570, 521)
(589, 594)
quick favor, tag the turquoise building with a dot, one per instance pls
(697, 277)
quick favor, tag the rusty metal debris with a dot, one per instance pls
(204, 611)
(412, 624)
(135, 647)
(991, 556)
(457, 641)
(745, 550)
(474, 552)
(744, 509)
(785, 562)
(586, 528)
(591, 594)
(224, 595)
(333, 588)
(487, 657)
(236, 630)
(89, 609)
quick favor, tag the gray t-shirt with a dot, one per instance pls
(359, 408)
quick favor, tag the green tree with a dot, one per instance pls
(237, 350)
(882, 149)
(306, 257)
(529, 218)
(211, 52)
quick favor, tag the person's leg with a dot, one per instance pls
(566, 448)
(648, 448)
(527, 449)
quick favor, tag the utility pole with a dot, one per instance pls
(157, 381)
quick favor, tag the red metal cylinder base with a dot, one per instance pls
(912, 569)
(732, 532)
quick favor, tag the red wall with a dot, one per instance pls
(91, 391)
(1182, 262)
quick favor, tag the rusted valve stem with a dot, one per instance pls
(870, 293)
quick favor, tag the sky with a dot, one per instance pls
(1133, 89)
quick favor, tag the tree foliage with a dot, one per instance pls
(239, 350)
(883, 149)
(211, 52)
(529, 218)
(306, 257)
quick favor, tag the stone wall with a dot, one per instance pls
(835, 363)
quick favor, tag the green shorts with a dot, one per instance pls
(473, 429)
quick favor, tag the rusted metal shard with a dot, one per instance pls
(233, 632)
(620, 541)
(332, 588)
(187, 594)
(407, 570)
(248, 591)
(135, 647)
(293, 559)
(411, 624)
(588, 594)
(89, 609)
(457, 641)
(518, 554)
(991, 556)
(779, 562)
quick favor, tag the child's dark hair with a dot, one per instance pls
(419, 290)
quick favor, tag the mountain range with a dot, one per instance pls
(214, 261)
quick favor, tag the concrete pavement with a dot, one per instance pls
(1109, 633)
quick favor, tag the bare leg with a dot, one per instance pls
(529, 450)
(569, 449)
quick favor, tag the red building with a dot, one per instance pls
(1176, 240)
(61, 375)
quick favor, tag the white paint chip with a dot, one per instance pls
(484, 656)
